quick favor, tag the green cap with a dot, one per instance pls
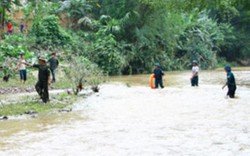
(157, 64)
(194, 61)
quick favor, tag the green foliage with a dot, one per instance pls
(96, 77)
(77, 11)
(35, 10)
(239, 48)
(6, 5)
(201, 41)
(48, 33)
(10, 52)
(20, 40)
(82, 72)
(104, 52)
(129, 36)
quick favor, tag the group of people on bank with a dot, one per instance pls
(43, 73)
(230, 83)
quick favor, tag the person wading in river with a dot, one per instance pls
(230, 82)
(43, 79)
(158, 76)
(195, 70)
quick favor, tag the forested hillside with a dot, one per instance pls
(130, 36)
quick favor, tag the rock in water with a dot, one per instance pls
(95, 89)
(31, 112)
(65, 110)
(4, 118)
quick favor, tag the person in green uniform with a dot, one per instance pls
(43, 79)
(230, 82)
(53, 62)
(158, 75)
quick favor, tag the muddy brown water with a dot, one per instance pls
(129, 118)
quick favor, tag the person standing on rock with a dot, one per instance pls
(230, 82)
(22, 68)
(43, 83)
(53, 62)
(195, 70)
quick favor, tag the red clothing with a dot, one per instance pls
(9, 25)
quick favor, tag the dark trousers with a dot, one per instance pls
(42, 90)
(9, 32)
(53, 73)
(158, 82)
(23, 74)
(195, 81)
(231, 90)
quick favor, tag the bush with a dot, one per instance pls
(105, 53)
(201, 41)
(9, 56)
(81, 72)
(48, 33)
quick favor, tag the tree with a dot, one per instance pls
(77, 11)
(6, 5)
(48, 33)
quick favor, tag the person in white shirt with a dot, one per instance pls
(21, 66)
(195, 71)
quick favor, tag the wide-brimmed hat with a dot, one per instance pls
(42, 59)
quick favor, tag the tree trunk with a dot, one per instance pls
(3, 18)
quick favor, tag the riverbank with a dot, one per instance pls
(14, 106)
(17, 99)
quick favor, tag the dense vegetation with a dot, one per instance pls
(129, 36)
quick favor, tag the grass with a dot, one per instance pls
(14, 81)
(21, 108)
(17, 105)
(58, 102)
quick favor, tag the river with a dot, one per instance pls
(127, 118)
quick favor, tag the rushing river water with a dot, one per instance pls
(130, 119)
